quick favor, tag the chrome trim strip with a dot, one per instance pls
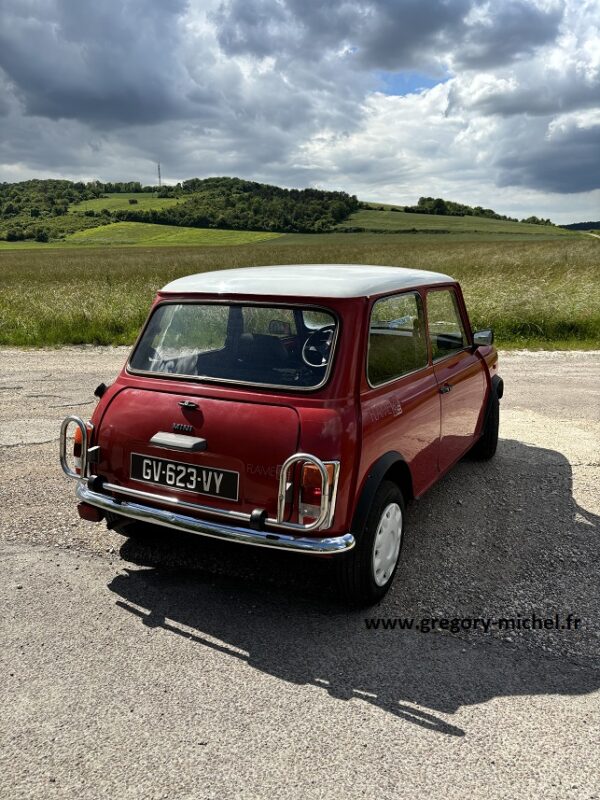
(84, 446)
(333, 498)
(166, 499)
(216, 530)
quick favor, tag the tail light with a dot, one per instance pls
(77, 445)
(310, 482)
(77, 439)
(310, 491)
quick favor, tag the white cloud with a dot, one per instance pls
(286, 91)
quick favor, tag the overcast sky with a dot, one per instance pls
(491, 103)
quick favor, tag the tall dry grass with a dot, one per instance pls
(533, 293)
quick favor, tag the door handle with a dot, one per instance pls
(445, 388)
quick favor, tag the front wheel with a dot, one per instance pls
(485, 448)
(366, 573)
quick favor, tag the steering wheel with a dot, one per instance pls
(317, 347)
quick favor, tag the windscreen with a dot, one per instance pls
(247, 344)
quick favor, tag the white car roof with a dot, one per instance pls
(306, 280)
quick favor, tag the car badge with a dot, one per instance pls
(182, 428)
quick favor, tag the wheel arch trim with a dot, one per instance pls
(390, 462)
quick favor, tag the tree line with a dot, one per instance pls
(582, 226)
(33, 209)
(247, 205)
(448, 208)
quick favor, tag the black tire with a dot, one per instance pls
(357, 583)
(486, 447)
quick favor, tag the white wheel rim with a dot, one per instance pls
(386, 547)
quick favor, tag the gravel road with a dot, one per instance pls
(202, 670)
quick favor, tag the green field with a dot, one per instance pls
(125, 234)
(399, 221)
(145, 202)
(455, 229)
(144, 233)
(534, 292)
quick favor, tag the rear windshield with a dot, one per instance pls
(251, 344)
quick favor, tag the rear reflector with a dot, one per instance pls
(89, 513)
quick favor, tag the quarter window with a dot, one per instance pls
(446, 330)
(396, 338)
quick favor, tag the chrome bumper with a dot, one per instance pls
(216, 530)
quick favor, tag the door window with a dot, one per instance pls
(446, 330)
(396, 338)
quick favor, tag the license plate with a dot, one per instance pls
(187, 477)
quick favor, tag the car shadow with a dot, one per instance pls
(493, 540)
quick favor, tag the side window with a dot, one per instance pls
(445, 325)
(396, 338)
(313, 319)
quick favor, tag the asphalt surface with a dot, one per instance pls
(192, 669)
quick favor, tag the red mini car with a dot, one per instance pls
(294, 407)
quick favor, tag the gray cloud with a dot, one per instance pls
(509, 31)
(285, 91)
(106, 63)
(566, 162)
(386, 34)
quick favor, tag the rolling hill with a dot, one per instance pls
(51, 210)
(39, 213)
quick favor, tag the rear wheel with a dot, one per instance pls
(366, 572)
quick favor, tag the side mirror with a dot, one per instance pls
(483, 338)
